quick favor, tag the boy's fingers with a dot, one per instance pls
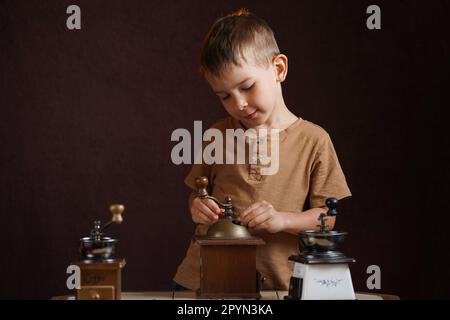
(261, 226)
(260, 219)
(249, 209)
(253, 214)
(211, 205)
(203, 208)
(201, 217)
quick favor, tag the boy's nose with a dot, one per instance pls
(242, 105)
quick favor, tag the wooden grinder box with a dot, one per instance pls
(228, 268)
(100, 280)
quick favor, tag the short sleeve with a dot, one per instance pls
(327, 179)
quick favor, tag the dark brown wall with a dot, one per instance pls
(86, 119)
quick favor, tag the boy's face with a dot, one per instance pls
(249, 93)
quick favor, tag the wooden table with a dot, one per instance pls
(191, 295)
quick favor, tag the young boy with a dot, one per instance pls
(241, 61)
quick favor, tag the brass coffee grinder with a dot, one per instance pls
(227, 254)
(226, 227)
(321, 272)
(100, 269)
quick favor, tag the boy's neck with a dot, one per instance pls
(281, 118)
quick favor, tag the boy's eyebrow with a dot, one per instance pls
(234, 86)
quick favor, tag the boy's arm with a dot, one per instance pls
(295, 222)
(262, 215)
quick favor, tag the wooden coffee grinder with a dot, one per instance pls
(100, 270)
(227, 255)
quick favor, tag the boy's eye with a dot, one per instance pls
(243, 89)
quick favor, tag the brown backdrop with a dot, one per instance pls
(86, 120)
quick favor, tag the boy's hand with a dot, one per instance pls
(262, 216)
(205, 211)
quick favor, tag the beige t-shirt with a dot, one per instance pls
(308, 174)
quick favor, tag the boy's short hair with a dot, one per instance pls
(234, 37)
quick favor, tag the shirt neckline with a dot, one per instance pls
(282, 134)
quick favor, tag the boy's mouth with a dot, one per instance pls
(251, 116)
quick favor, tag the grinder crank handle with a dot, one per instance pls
(201, 184)
(202, 193)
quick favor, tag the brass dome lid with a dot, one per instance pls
(226, 229)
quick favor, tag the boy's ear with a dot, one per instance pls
(280, 62)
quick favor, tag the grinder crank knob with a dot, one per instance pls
(116, 210)
(202, 184)
(332, 204)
